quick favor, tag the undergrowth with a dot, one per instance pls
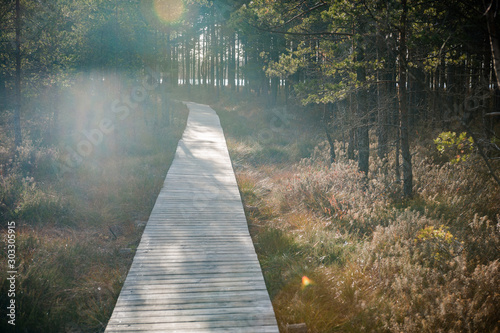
(77, 227)
(343, 252)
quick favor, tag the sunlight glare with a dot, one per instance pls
(169, 11)
(306, 282)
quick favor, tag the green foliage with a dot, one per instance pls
(288, 64)
(439, 245)
(432, 234)
(456, 148)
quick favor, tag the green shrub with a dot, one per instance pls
(456, 148)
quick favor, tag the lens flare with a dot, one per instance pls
(306, 282)
(169, 10)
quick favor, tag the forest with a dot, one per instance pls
(364, 134)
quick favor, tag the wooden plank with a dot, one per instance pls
(193, 256)
(209, 326)
(186, 296)
(179, 258)
(192, 312)
(191, 278)
(253, 329)
(196, 248)
(196, 286)
(195, 269)
(210, 307)
(209, 317)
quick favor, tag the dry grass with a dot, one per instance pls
(377, 263)
(74, 228)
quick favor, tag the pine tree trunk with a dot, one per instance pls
(382, 104)
(238, 64)
(221, 60)
(175, 64)
(494, 39)
(231, 70)
(352, 133)
(187, 62)
(212, 55)
(403, 109)
(199, 61)
(352, 144)
(363, 133)
(18, 139)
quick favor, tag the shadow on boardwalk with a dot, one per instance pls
(195, 269)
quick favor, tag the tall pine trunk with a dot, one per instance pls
(231, 70)
(212, 55)
(18, 138)
(493, 38)
(382, 99)
(403, 108)
(362, 115)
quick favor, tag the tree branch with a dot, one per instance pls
(323, 33)
(319, 5)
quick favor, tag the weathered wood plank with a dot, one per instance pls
(209, 326)
(209, 317)
(253, 329)
(196, 287)
(195, 269)
(145, 309)
(213, 310)
(199, 278)
(180, 257)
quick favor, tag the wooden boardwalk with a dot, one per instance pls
(195, 269)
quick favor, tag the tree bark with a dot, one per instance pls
(231, 70)
(352, 144)
(403, 108)
(18, 138)
(382, 101)
(187, 61)
(352, 133)
(213, 52)
(494, 42)
(363, 133)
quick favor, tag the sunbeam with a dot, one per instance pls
(168, 11)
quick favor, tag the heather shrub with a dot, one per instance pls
(481, 240)
(422, 269)
(378, 263)
(337, 191)
(451, 188)
(375, 260)
(465, 201)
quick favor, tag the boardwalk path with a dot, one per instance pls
(195, 269)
